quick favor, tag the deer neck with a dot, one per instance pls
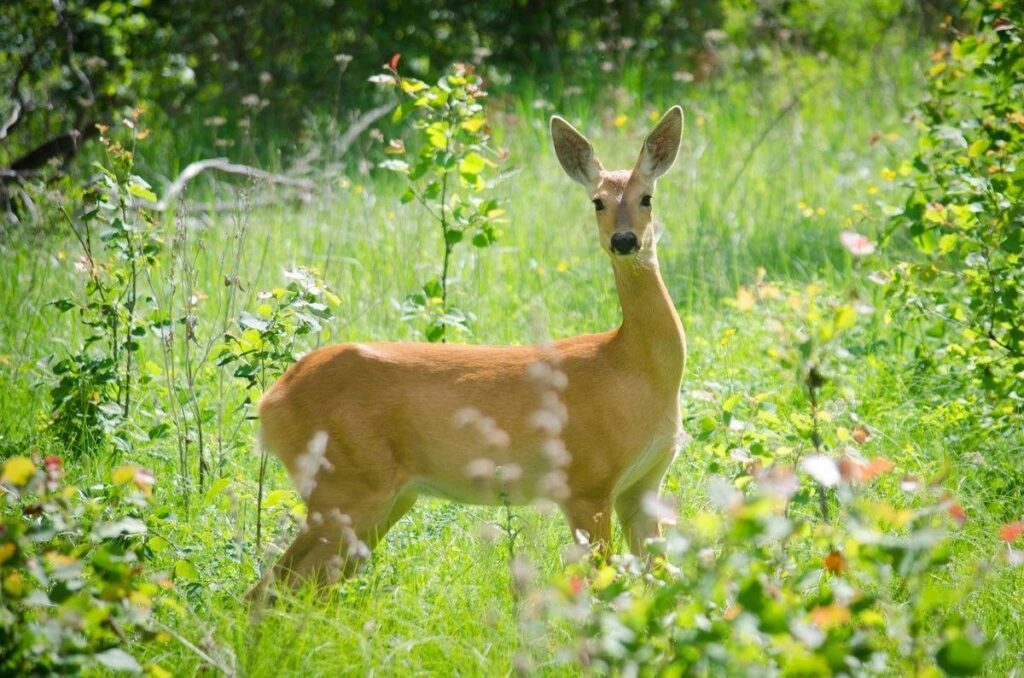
(651, 336)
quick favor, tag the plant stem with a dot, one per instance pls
(813, 384)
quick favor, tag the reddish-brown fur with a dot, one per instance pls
(391, 421)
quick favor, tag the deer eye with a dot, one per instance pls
(645, 201)
(598, 204)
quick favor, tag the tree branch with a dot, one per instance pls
(228, 167)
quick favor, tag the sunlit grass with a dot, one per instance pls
(748, 192)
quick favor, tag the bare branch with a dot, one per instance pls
(305, 186)
(228, 167)
(12, 121)
(361, 125)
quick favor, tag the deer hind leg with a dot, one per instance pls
(350, 507)
(335, 541)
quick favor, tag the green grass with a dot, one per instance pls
(436, 597)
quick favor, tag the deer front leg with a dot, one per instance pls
(637, 521)
(592, 519)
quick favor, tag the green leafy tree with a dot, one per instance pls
(965, 212)
(446, 175)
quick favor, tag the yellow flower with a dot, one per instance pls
(888, 174)
(562, 266)
(18, 470)
(621, 120)
(820, 211)
(858, 207)
(872, 190)
(123, 474)
(14, 585)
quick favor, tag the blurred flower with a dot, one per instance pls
(1011, 531)
(18, 470)
(659, 509)
(957, 513)
(856, 244)
(822, 468)
(835, 563)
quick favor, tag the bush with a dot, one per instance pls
(74, 590)
(965, 214)
(796, 566)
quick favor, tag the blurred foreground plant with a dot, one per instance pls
(760, 583)
(74, 591)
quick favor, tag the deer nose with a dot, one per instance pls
(624, 243)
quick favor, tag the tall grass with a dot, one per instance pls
(760, 152)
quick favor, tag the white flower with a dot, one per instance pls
(856, 244)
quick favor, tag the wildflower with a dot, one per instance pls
(856, 244)
(1011, 531)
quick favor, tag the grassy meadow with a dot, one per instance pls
(773, 168)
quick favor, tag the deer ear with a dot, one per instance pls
(575, 154)
(661, 146)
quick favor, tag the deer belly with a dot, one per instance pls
(660, 451)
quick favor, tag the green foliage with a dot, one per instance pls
(835, 29)
(264, 344)
(749, 588)
(75, 589)
(759, 582)
(446, 176)
(66, 67)
(95, 381)
(965, 213)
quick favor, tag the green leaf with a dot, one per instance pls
(118, 660)
(472, 164)
(411, 86)
(435, 332)
(184, 569)
(142, 192)
(960, 657)
(473, 124)
(276, 498)
(846, 317)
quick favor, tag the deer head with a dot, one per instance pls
(622, 198)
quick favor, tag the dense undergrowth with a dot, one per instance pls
(850, 501)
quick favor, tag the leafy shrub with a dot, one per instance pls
(797, 567)
(965, 213)
(265, 346)
(73, 586)
(752, 589)
(446, 177)
(95, 381)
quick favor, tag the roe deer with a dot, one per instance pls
(365, 428)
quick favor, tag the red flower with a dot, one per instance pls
(835, 563)
(1011, 531)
